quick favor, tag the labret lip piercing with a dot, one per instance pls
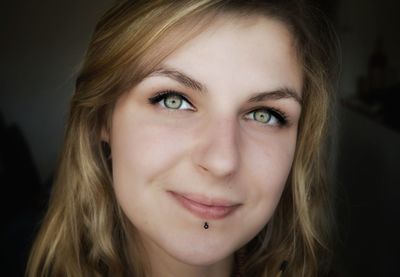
(205, 225)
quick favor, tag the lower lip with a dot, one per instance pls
(202, 210)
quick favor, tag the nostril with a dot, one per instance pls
(217, 152)
(203, 168)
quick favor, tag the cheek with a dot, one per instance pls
(268, 168)
(141, 153)
(140, 149)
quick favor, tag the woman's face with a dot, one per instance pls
(209, 137)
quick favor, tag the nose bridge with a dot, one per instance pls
(218, 152)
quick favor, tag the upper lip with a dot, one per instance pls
(207, 200)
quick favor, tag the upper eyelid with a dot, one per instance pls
(165, 93)
(174, 92)
(269, 109)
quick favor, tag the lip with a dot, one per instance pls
(204, 207)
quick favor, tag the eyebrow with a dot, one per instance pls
(190, 82)
(180, 77)
(277, 94)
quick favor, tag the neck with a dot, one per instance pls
(163, 269)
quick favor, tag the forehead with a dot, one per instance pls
(256, 49)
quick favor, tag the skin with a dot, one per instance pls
(213, 147)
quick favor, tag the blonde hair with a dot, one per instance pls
(84, 233)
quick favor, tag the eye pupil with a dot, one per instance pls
(262, 116)
(173, 102)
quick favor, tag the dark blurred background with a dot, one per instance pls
(42, 46)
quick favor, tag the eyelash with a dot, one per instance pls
(278, 114)
(165, 94)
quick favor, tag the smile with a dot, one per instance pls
(203, 207)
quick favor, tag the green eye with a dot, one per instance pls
(173, 101)
(268, 117)
(262, 115)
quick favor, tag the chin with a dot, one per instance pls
(201, 253)
(202, 259)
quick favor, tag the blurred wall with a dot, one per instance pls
(42, 45)
(368, 151)
(369, 189)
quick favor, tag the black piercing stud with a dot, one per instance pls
(205, 225)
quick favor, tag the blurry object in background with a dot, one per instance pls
(378, 94)
(369, 182)
(382, 107)
(362, 87)
(377, 68)
(22, 199)
(368, 87)
(389, 98)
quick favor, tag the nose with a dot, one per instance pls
(217, 148)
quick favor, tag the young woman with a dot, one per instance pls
(194, 145)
